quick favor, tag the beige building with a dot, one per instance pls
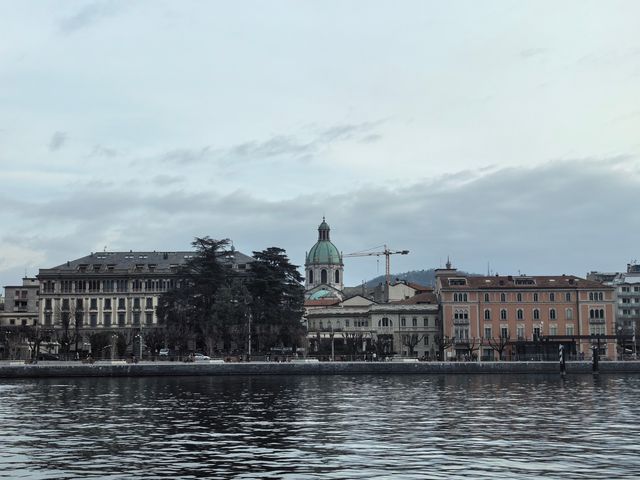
(358, 327)
(21, 304)
(525, 317)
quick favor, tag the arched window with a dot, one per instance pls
(310, 276)
(591, 296)
(519, 297)
(503, 314)
(569, 313)
(503, 297)
(520, 314)
(337, 276)
(323, 276)
(486, 297)
(601, 313)
(464, 297)
(600, 296)
(455, 297)
(487, 314)
(536, 314)
(552, 314)
(535, 297)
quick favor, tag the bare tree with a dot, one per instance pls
(443, 344)
(499, 344)
(473, 346)
(411, 341)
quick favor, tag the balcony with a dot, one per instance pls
(461, 321)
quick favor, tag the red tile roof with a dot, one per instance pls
(517, 282)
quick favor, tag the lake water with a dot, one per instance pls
(395, 426)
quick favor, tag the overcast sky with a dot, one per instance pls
(497, 132)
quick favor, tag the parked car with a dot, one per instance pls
(47, 356)
(164, 352)
(200, 356)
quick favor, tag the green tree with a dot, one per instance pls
(189, 311)
(277, 298)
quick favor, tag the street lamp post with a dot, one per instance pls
(332, 347)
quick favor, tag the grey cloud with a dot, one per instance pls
(89, 14)
(165, 180)
(278, 146)
(185, 156)
(105, 152)
(57, 141)
(533, 52)
(560, 217)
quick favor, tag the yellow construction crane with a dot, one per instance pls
(387, 253)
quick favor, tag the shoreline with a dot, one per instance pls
(144, 369)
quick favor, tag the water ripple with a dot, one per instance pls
(322, 427)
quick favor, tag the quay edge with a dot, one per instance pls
(105, 369)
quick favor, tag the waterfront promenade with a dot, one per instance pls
(216, 368)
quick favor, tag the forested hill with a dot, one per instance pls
(421, 277)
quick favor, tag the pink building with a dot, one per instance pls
(524, 317)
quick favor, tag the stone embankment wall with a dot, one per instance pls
(100, 369)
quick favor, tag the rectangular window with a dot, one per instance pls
(553, 330)
(403, 322)
(414, 322)
(149, 303)
(136, 302)
(94, 304)
(107, 319)
(107, 285)
(47, 304)
(504, 332)
(93, 318)
(121, 304)
(47, 319)
(346, 322)
(121, 319)
(65, 304)
(567, 297)
(425, 340)
(569, 329)
(149, 318)
(535, 297)
(136, 318)
(552, 297)
(520, 330)
(425, 322)
(107, 304)
(487, 332)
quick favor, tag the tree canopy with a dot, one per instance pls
(216, 307)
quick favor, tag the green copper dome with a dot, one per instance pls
(324, 252)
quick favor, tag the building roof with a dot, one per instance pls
(503, 282)
(420, 298)
(147, 261)
(323, 302)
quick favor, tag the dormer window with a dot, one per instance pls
(525, 281)
(457, 281)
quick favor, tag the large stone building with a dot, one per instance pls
(358, 327)
(113, 290)
(522, 317)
